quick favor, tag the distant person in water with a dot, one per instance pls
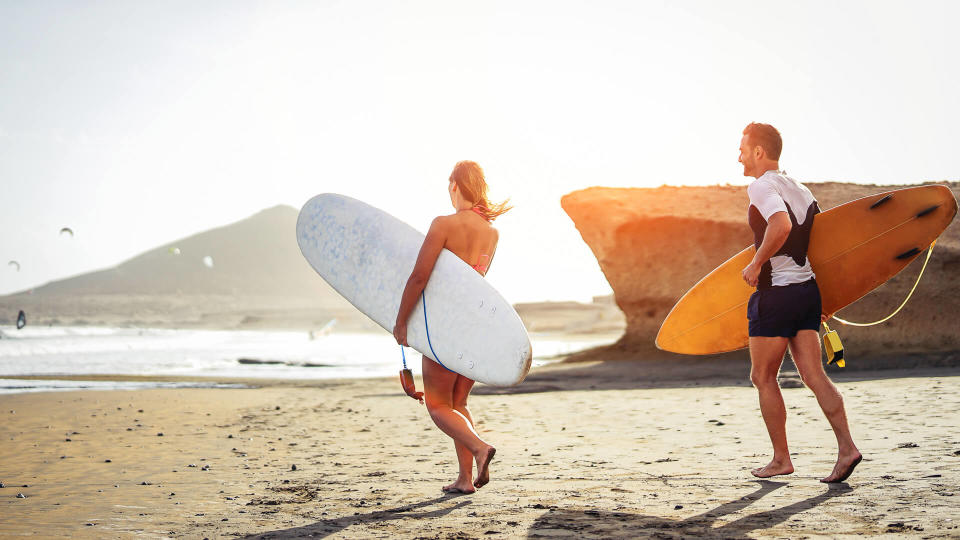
(785, 311)
(467, 233)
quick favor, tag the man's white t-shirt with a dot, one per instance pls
(775, 192)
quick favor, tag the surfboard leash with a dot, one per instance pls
(905, 300)
(426, 325)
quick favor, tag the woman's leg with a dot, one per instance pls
(461, 389)
(439, 385)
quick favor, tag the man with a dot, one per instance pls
(785, 311)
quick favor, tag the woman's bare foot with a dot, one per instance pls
(460, 486)
(774, 468)
(843, 469)
(483, 466)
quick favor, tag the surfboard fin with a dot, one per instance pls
(833, 346)
(881, 201)
(406, 380)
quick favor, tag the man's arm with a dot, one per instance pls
(778, 229)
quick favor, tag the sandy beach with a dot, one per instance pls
(584, 451)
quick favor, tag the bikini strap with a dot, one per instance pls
(480, 213)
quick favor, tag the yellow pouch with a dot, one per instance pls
(833, 346)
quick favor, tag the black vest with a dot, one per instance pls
(796, 245)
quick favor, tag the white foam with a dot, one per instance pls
(214, 353)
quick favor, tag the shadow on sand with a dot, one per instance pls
(591, 523)
(327, 527)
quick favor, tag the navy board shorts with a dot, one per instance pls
(783, 311)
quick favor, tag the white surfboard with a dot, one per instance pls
(367, 256)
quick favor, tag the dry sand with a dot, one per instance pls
(631, 457)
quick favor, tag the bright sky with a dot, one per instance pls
(137, 123)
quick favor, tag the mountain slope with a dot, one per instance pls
(257, 276)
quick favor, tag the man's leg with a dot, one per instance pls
(805, 348)
(766, 355)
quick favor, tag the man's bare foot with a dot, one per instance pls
(483, 466)
(459, 487)
(843, 469)
(774, 468)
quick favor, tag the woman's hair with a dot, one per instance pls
(473, 187)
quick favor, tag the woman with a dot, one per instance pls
(469, 235)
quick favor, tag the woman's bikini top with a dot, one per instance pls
(481, 266)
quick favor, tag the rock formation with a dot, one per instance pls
(654, 244)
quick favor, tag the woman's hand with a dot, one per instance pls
(400, 333)
(406, 381)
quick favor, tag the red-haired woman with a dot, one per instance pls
(469, 235)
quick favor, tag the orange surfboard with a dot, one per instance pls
(854, 248)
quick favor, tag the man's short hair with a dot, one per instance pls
(766, 137)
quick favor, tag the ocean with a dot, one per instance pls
(69, 351)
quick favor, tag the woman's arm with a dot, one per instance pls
(429, 251)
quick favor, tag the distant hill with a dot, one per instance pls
(256, 256)
(258, 278)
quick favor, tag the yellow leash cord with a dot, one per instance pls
(907, 299)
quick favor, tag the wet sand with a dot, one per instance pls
(631, 457)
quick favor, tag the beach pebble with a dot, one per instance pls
(908, 445)
(293, 467)
(145, 483)
(1, 485)
(678, 507)
(108, 461)
(192, 465)
(230, 436)
(160, 434)
(21, 496)
(139, 410)
(67, 439)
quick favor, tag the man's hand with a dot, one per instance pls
(751, 274)
(400, 333)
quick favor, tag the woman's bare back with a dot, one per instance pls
(472, 238)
